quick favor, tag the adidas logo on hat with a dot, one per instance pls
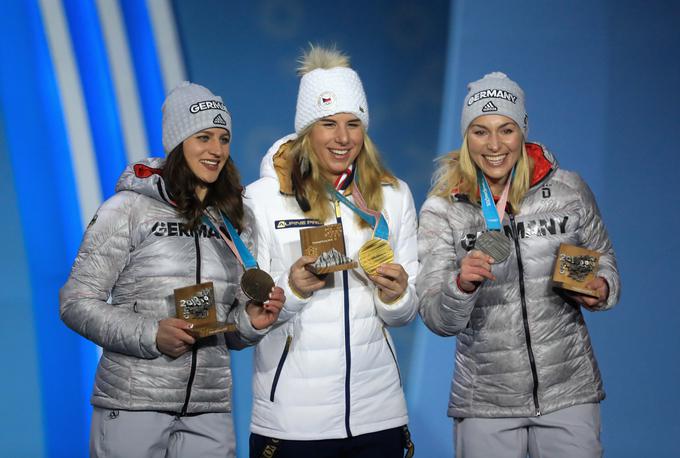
(219, 120)
(489, 107)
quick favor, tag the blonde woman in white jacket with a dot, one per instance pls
(326, 379)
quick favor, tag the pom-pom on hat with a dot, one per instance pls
(190, 108)
(327, 87)
(494, 94)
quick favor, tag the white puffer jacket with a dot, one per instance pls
(329, 369)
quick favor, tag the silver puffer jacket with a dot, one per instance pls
(135, 252)
(521, 349)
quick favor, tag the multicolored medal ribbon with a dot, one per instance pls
(494, 241)
(377, 250)
(255, 282)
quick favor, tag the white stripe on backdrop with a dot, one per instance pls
(78, 134)
(123, 76)
(127, 95)
(167, 43)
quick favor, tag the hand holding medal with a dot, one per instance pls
(376, 255)
(391, 281)
(491, 246)
(493, 242)
(262, 316)
(377, 250)
(474, 269)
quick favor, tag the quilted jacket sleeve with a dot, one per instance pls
(594, 236)
(444, 308)
(103, 254)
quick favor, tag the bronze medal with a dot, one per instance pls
(495, 244)
(257, 284)
(375, 253)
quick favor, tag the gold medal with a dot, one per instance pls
(375, 253)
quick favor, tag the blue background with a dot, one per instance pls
(601, 80)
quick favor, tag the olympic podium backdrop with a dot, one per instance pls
(82, 83)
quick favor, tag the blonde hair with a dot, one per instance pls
(309, 186)
(319, 57)
(457, 173)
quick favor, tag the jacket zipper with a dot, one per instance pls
(394, 357)
(348, 351)
(525, 319)
(279, 367)
(194, 349)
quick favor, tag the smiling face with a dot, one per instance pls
(495, 145)
(336, 141)
(206, 152)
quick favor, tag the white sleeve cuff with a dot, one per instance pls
(294, 303)
(399, 312)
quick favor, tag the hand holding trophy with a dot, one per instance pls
(327, 245)
(195, 304)
(575, 271)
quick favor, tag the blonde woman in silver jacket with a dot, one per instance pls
(526, 378)
(159, 392)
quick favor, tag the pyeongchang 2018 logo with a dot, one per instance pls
(177, 229)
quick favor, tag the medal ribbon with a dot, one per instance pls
(340, 182)
(493, 214)
(375, 219)
(236, 245)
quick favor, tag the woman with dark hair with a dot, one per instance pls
(326, 379)
(163, 388)
(526, 378)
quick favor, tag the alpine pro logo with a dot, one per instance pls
(304, 222)
(207, 105)
(326, 99)
(492, 93)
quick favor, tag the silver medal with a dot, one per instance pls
(495, 244)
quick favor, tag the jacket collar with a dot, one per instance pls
(544, 164)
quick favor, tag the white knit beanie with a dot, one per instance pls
(190, 108)
(494, 94)
(325, 92)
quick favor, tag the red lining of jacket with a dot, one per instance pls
(541, 165)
